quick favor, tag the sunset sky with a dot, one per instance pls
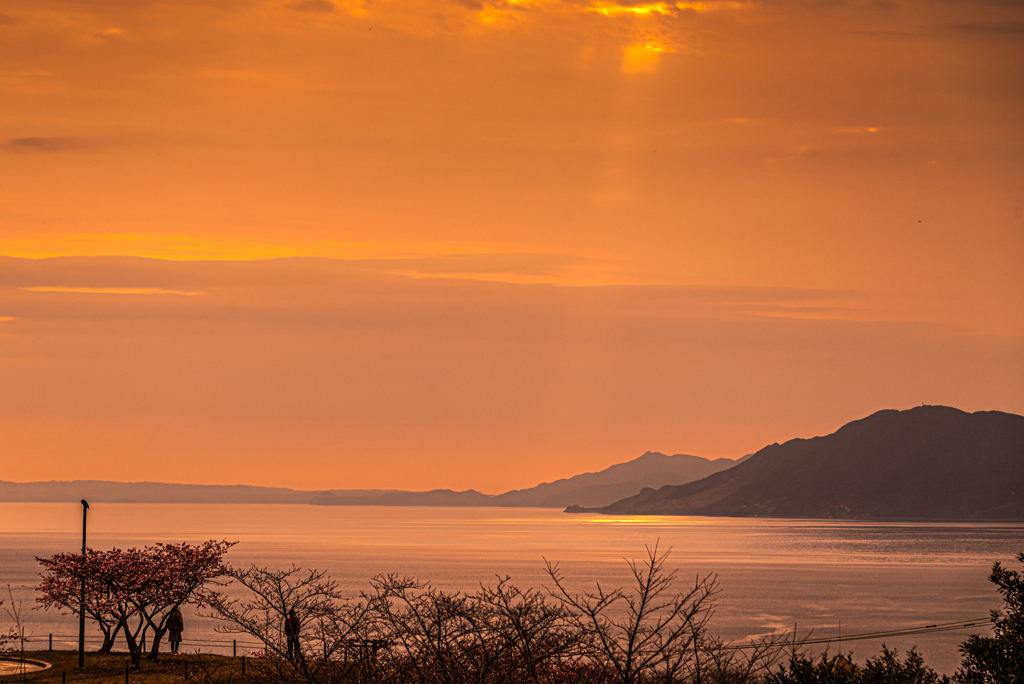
(462, 244)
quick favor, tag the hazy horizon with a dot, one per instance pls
(246, 484)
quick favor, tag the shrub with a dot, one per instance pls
(998, 659)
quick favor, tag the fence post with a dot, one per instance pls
(126, 673)
(234, 648)
(63, 678)
(51, 642)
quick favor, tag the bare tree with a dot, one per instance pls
(17, 633)
(438, 637)
(715, 662)
(539, 635)
(646, 633)
(329, 623)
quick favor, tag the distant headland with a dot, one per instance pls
(926, 463)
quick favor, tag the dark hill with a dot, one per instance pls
(930, 462)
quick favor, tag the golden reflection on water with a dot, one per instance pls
(646, 520)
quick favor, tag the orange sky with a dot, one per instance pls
(550, 235)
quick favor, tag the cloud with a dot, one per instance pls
(468, 265)
(313, 6)
(111, 290)
(7, 21)
(112, 33)
(56, 144)
(857, 130)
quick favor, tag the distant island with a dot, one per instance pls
(926, 463)
(652, 469)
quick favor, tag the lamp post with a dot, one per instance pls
(81, 605)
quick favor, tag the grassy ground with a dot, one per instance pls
(110, 667)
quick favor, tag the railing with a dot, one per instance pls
(93, 639)
(376, 644)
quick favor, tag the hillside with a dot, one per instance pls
(930, 462)
(653, 469)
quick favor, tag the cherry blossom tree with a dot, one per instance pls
(185, 574)
(60, 589)
(134, 590)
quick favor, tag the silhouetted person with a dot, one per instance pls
(176, 625)
(291, 633)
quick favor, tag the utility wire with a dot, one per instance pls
(907, 631)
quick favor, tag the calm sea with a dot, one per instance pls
(835, 578)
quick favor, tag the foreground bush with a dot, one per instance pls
(885, 668)
(998, 659)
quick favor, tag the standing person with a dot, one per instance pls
(176, 624)
(291, 633)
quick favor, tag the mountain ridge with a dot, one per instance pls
(925, 463)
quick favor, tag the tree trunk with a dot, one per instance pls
(133, 646)
(108, 637)
(158, 634)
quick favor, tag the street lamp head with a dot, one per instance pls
(85, 504)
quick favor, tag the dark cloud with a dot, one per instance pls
(980, 3)
(989, 28)
(313, 6)
(56, 144)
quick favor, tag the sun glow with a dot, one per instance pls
(642, 56)
(644, 520)
(610, 9)
(708, 6)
